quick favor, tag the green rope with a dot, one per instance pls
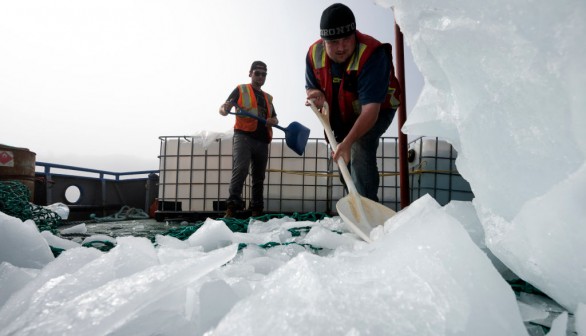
(102, 245)
(296, 232)
(124, 213)
(273, 244)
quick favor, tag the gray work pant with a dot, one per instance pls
(363, 166)
(248, 152)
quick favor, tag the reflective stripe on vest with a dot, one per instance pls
(318, 55)
(354, 63)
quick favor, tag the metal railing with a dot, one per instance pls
(86, 190)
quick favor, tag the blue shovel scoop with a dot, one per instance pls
(296, 135)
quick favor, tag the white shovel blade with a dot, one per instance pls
(375, 214)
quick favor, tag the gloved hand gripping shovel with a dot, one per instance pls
(359, 213)
(296, 135)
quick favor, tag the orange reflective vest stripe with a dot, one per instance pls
(348, 102)
(247, 100)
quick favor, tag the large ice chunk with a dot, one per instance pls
(21, 243)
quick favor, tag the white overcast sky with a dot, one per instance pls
(95, 83)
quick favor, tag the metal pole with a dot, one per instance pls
(103, 183)
(48, 186)
(401, 112)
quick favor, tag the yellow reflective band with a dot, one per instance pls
(355, 60)
(245, 94)
(318, 55)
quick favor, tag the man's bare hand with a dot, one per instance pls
(272, 121)
(225, 108)
(317, 96)
(343, 151)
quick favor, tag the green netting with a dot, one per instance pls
(102, 245)
(56, 250)
(241, 225)
(519, 285)
(14, 202)
(14, 198)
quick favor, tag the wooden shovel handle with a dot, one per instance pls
(323, 117)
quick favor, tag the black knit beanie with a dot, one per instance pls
(337, 21)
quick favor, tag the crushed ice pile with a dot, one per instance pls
(423, 274)
(504, 84)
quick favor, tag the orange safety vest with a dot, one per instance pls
(247, 100)
(348, 101)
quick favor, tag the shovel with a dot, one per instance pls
(359, 213)
(296, 135)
